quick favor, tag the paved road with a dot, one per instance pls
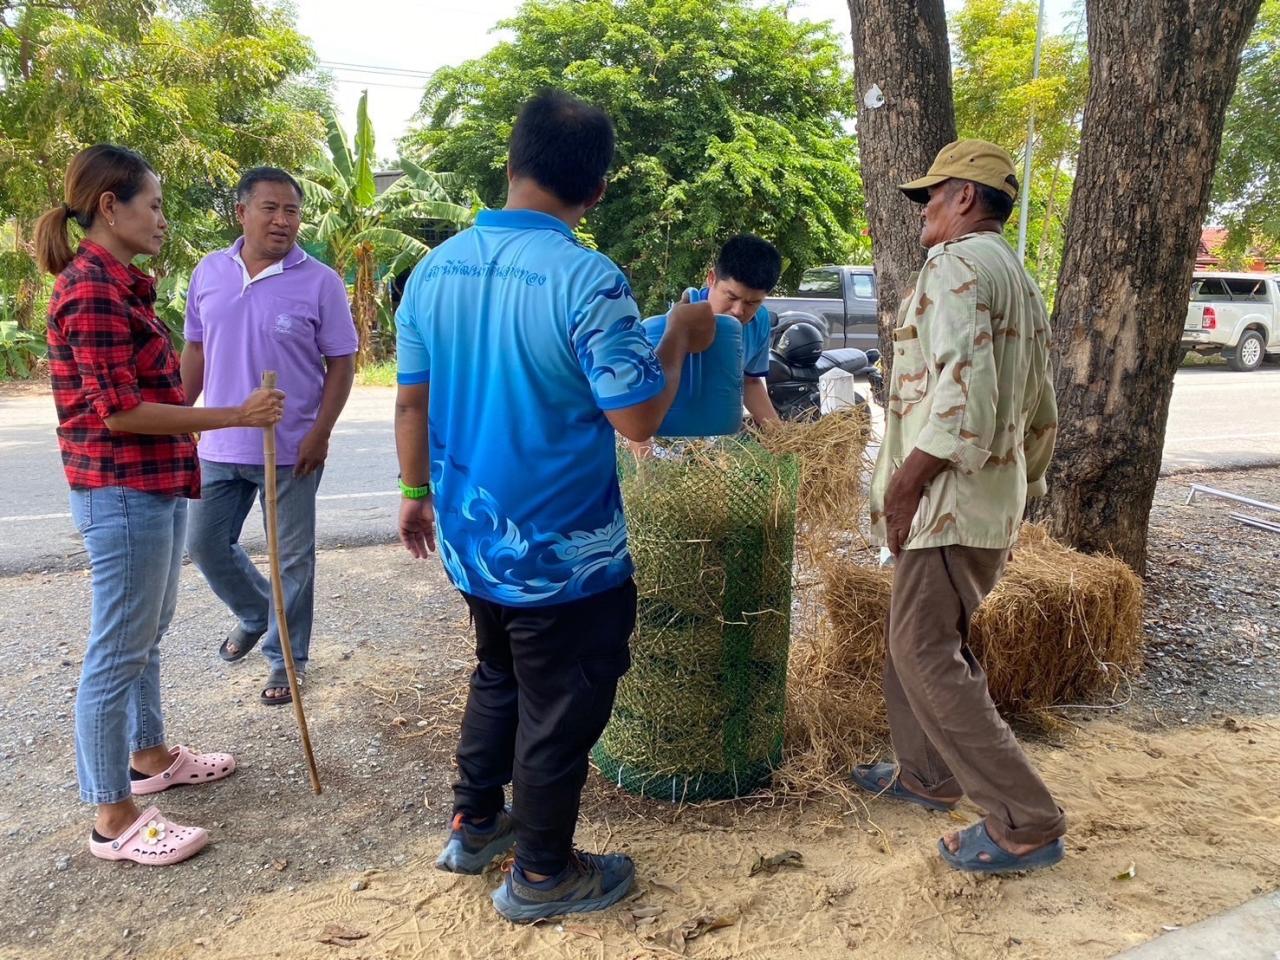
(358, 495)
(1218, 419)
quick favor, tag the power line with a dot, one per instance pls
(371, 83)
(373, 68)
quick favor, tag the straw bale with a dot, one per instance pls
(711, 528)
(1062, 627)
(832, 453)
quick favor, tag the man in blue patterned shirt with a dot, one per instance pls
(520, 352)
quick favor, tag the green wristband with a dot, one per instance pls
(413, 493)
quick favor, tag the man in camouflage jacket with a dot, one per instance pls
(969, 432)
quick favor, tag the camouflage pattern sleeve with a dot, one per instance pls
(962, 417)
(1042, 433)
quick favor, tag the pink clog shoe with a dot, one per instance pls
(187, 768)
(152, 839)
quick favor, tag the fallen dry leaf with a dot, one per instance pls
(641, 912)
(671, 888)
(787, 858)
(340, 935)
(583, 931)
(677, 939)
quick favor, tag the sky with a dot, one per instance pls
(392, 45)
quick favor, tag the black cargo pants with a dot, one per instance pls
(539, 699)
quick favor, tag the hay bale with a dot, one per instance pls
(1061, 627)
(712, 532)
(832, 453)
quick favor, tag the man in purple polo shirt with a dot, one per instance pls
(263, 304)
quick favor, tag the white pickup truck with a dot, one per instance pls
(1235, 314)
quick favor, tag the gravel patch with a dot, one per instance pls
(1213, 603)
(384, 623)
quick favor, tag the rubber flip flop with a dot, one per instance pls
(869, 775)
(153, 840)
(188, 768)
(975, 841)
(244, 642)
(278, 681)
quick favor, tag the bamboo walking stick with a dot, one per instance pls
(277, 586)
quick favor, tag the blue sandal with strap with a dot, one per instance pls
(975, 841)
(869, 776)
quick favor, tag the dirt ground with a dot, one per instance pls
(1192, 812)
(1192, 806)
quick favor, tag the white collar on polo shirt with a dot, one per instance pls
(275, 269)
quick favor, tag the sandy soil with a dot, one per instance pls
(1193, 806)
(1194, 811)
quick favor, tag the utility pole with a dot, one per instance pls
(1031, 132)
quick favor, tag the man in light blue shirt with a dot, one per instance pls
(520, 352)
(746, 271)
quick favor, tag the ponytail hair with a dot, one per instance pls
(103, 168)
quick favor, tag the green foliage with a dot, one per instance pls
(203, 88)
(19, 350)
(993, 43)
(730, 117)
(993, 46)
(171, 304)
(379, 374)
(354, 228)
(343, 210)
(1246, 191)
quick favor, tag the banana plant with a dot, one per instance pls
(359, 228)
(20, 350)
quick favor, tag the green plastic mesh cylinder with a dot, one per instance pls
(712, 531)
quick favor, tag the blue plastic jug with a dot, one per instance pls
(709, 401)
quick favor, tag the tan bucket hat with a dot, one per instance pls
(975, 160)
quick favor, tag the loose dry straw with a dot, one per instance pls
(833, 473)
(1061, 627)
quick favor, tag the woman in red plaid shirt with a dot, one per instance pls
(125, 433)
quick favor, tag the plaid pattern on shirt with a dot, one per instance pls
(108, 353)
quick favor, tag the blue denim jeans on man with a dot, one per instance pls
(134, 541)
(227, 493)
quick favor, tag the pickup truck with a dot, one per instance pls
(839, 301)
(1234, 314)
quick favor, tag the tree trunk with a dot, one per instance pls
(1042, 249)
(901, 47)
(1161, 75)
(364, 306)
(28, 287)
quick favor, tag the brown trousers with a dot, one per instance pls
(947, 735)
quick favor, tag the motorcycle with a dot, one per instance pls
(797, 363)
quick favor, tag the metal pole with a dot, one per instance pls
(1031, 132)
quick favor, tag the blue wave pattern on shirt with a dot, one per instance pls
(516, 567)
(616, 357)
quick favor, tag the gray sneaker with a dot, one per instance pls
(589, 882)
(470, 849)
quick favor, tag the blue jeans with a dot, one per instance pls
(227, 491)
(134, 542)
